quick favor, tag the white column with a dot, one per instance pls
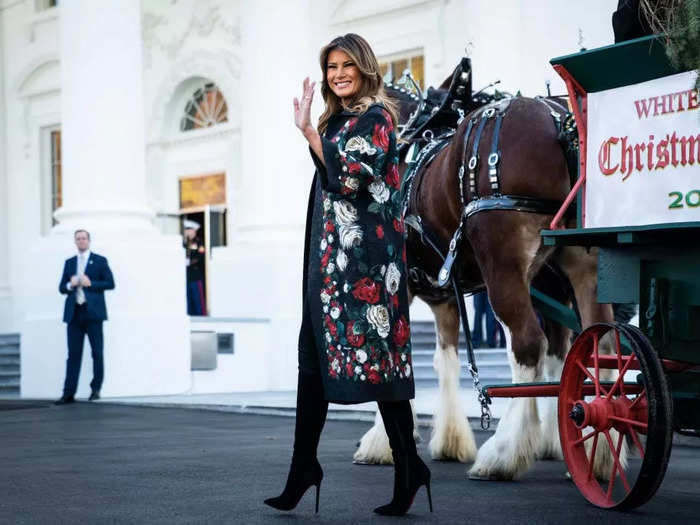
(5, 297)
(264, 261)
(104, 191)
(103, 115)
(275, 160)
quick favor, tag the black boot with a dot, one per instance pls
(305, 470)
(410, 473)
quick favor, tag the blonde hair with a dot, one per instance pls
(371, 89)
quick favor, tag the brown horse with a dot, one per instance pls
(502, 251)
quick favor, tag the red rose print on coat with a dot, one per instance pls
(380, 138)
(401, 331)
(331, 326)
(366, 290)
(392, 177)
(380, 231)
(356, 340)
(373, 377)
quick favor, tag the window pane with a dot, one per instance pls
(205, 109)
(417, 70)
(56, 175)
(397, 68)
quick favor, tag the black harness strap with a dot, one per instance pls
(462, 195)
(512, 203)
(474, 160)
(494, 157)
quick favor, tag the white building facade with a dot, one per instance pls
(120, 116)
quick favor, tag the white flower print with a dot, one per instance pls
(352, 183)
(378, 317)
(362, 377)
(326, 204)
(361, 356)
(345, 213)
(330, 268)
(325, 309)
(408, 370)
(325, 298)
(328, 337)
(335, 312)
(350, 236)
(324, 244)
(341, 260)
(346, 287)
(330, 238)
(392, 278)
(380, 191)
(358, 143)
(358, 369)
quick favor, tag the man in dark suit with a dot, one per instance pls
(85, 278)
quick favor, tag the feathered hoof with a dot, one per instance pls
(499, 460)
(491, 476)
(456, 444)
(550, 452)
(374, 449)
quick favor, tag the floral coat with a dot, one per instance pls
(355, 262)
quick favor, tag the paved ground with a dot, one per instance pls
(98, 463)
(284, 403)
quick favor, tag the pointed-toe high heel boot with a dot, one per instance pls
(410, 472)
(305, 471)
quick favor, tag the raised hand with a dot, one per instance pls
(302, 109)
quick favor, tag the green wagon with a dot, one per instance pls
(627, 388)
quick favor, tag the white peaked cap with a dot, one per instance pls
(190, 224)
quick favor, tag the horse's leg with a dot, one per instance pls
(558, 338)
(581, 267)
(452, 437)
(507, 269)
(374, 446)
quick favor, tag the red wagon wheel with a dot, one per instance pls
(610, 415)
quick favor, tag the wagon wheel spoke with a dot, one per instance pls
(616, 465)
(586, 437)
(597, 384)
(591, 461)
(596, 366)
(631, 422)
(642, 394)
(621, 371)
(635, 437)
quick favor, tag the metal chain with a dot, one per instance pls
(484, 401)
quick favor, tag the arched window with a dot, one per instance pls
(206, 108)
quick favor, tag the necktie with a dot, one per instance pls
(80, 293)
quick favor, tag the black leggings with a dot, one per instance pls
(308, 351)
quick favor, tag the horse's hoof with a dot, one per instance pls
(365, 462)
(488, 477)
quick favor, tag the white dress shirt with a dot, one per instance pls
(81, 264)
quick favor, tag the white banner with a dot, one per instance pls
(643, 153)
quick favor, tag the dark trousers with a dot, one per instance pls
(195, 298)
(78, 328)
(482, 308)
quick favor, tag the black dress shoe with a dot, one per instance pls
(94, 396)
(65, 400)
